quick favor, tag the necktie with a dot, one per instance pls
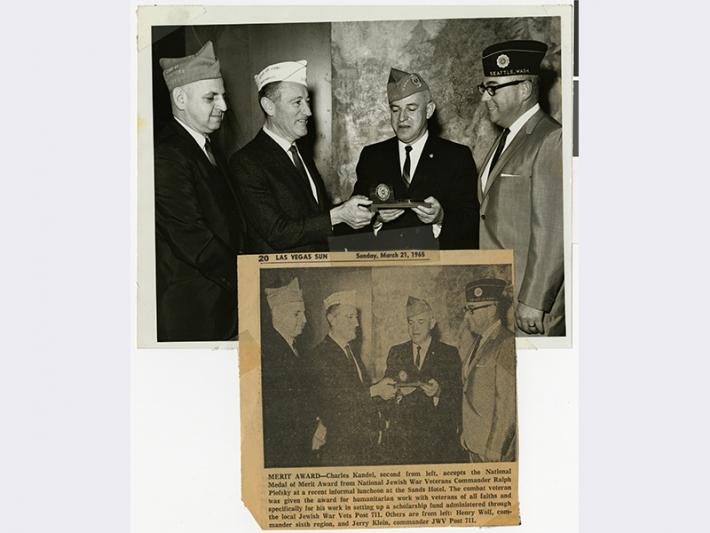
(499, 150)
(301, 169)
(406, 170)
(210, 154)
(351, 356)
(418, 360)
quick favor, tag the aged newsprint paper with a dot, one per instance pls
(188, 241)
(378, 389)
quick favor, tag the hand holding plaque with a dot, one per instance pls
(382, 196)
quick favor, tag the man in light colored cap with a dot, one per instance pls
(425, 418)
(488, 372)
(422, 167)
(344, 390)
(199, 229)
(285, 199)
(521, 185)
(292, 431)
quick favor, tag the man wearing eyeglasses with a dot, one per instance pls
(520, 185)
(488, 408)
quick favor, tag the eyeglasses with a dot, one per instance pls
(471, 308)
(491, 89)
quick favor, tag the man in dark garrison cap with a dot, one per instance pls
(488, 372)
(419, 166)
(424, 418)
(520, 185)
(198, 225)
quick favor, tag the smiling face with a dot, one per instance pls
(509, 102)
(288, 112)
(420, 326)
(201, 104)
(409, 116)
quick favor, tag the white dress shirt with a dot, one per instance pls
(199, 137)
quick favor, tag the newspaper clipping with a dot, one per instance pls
(378, 389)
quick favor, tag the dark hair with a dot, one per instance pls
(271, 90)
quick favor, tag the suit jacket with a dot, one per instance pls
(345, 407)
(488, 409)
(420, 431)
(288, 411)
(198, 233)
(279, 205)
(446, 171)
(521, 208)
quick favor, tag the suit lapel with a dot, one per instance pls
(425, 166)
(291, 178)
(509, 152)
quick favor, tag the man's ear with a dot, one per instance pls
(179, 97)
(267, 105)
(430, 108)
(526, 89)
(432, 323)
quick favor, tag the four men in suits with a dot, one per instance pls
(488, 371)
(283, 194)
(520, 185)
(199, 229)
(421, 167)
(424, 418)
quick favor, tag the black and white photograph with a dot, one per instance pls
(341, 135)
(387, 365)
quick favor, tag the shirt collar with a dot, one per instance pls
(425, 347)
(516, 126)
(283, 143)
(199, 137)
(417, 146)
(337, 341)
(489, 331)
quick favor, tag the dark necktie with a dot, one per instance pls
(301, 169)
(210, 154)
(351, 356)
(418, 360)
(406, 170)
(499, 150)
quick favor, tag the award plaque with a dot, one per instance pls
(382, 196)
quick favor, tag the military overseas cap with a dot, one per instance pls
(416, 306)
(180, 71)
(402, 84)
(340, 298)
(513, 57)
(291, 293)
(485, 290)
(294, 71)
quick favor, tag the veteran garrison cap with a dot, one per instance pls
(513, 57)
(341, 298)
(402, 84)
(291, 293)
(416, 306)
(179, 71)
(485, 290)
(293, 71)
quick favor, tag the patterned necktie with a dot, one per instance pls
(351, 356)
(418, 360)
(499, 150)
(210, 154)
(406, 170)
(301, 169)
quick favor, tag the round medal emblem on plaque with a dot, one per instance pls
(402, 376)
(383, 192)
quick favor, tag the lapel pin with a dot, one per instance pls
(431, 156)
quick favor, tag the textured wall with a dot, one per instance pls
(447, 54)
